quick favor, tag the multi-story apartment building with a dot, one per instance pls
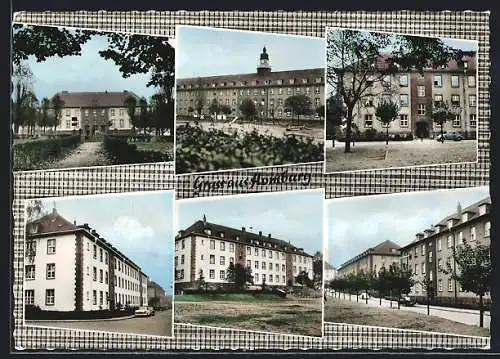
(70, 267)
(455, 84)
(329, 272)
(268, 90)
(372, 259)
(93, 113)
(157, 296)
(208, 249)
(432, 250)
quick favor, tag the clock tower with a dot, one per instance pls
(264, 67)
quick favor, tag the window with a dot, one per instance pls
(51, 270)
(472, 120)
(270, 266)
(231, 247)
(29, 272)
(386, 81)
(403, 100)
(106, 277)
(212, 244)
(471, 81)
(94, 274)
(439, 244)
(231, 259)
(403, 120)
(403, 80)
(255, 92)
(264, 253)
(95, 251)
(456, 121)
(50, 296)
(318, 80)
(256, 277)
(368, 120)
(280, 91)
(317, 90)
(423, 249)
(263, 278)
(256, 264)
(440, 285)
(100, 255)
(430, 257)
(282, 267)
(455, 100)
(222, 245)
(256, 251)
(182, 259)
(270, 254)
(29, 296)
(264, 265)
(270, 277)
(454, 81)
(94, 297)
(416, 268)
(222, 274)
(222, 260)
(106, 257)
(420, 91)
(438, 99)
(100, 297)
(100, 275)
(212, 259)
(317, 101)
(487, 228)
(421, 109)
(249, 250)
(297, 90)
(51, 246)
(472, 100)
(450, 285)
(211, 273)
(450, 241)
(438, 80)
(423, 268)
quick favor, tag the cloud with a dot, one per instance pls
(131, 230)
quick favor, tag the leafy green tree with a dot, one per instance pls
(354, 63)
(473, 271)
(225, 110)
(190, 110)
(387, 112)
(430, 291)
(46, 119)
(318, 267)
(199, 99)
(247, 108)
(299, 105)
(381, 284)
(239, 275)
(22, 87)
(161, 115)
(214, 108)
(31, 112)
(303, 279)
(440, 114)
(201, 280)
(57, 106)
(400, 280)
(320, 110)
(131, 104)
(34, 210)
(144, 118)
(335, 113)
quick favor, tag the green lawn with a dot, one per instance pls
(154, 145)
(228, 297)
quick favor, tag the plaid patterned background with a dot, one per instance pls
(115, 179)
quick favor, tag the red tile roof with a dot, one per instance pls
(95, 99)
(52, 222)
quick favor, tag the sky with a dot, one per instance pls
(210, 52)
(356, 224)
(139, 225)
(87, 72)
(291, 216)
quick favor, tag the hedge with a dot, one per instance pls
(234, 291)
(29, 155)
(462, 303)
(32, 312)
(122, 152)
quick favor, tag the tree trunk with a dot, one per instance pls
(16, 128)
(481, 312)
(380, 298)
(366, 298)
(390, 298)
(387, 134)
(357, 296)
(442, 133)
(399, 302)
(348, 131)
(428, 304)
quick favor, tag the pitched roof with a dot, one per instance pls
(329, 266)
(473, 209)
(386, 247)
(153, 284)
(52, 222)
(245, 236)
(95, 99)
(277, 75)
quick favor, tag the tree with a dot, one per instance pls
(303, 279)
(22, 87)
(45, 41)
(318, 269)
(214, 108)
(354, 63)
(161, 116)
(45, 119)
(199, 99)
(400, 280)
(335, 113)
(247, 108)
(144, 115)
(57, 106)
(225, 110)
(130, 103)
(320, 110)
(381, 284)
(201, 280)
(239, 275)
(31, 112)
(190, 110)
(440, 114)
(387, 112)
(34, 210)
(299, 105)
(359, 282)
(430, 291)
(473, 271)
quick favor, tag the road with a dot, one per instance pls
(465, 316)
(85, 155)
(376, 154)
(160, 324)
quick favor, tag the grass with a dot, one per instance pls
(225, 319)
(340, 311)
(154, 145)
(228, 297)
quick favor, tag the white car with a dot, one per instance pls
(144, 312)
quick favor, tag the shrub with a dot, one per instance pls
(200, 150)
(32, 312)
(30, 155)
(121, 152)
(370, 133)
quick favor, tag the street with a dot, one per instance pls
(160, 324)
(465, 316)
(376, 154)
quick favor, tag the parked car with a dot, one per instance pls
(144, 312)
(452, 136)
(407, 301)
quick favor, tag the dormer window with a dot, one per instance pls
(34, 228)
(221, 234)
(450, 223)
(482, 209)
(207, 231)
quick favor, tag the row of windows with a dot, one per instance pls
(257, 102)
(404, 101)
(271, 91)
(437, 80)
(291, 81)
(50, 296)
(30, 271)
(403, 121)
(421, 288)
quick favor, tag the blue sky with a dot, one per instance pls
(139, 225)
(88, 72)
(356, 224)
(210, 52)
(291, 216)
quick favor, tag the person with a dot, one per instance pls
(324, 294)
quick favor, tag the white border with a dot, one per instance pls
(121, 194)
(380, 197)
(328, 29)
(179, 202)
(169, 39)
(211, 28)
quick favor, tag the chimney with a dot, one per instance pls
(269, 235)
(74, 222)
(260, 233)
(419, 236)
(243, 229)
(459, 208)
